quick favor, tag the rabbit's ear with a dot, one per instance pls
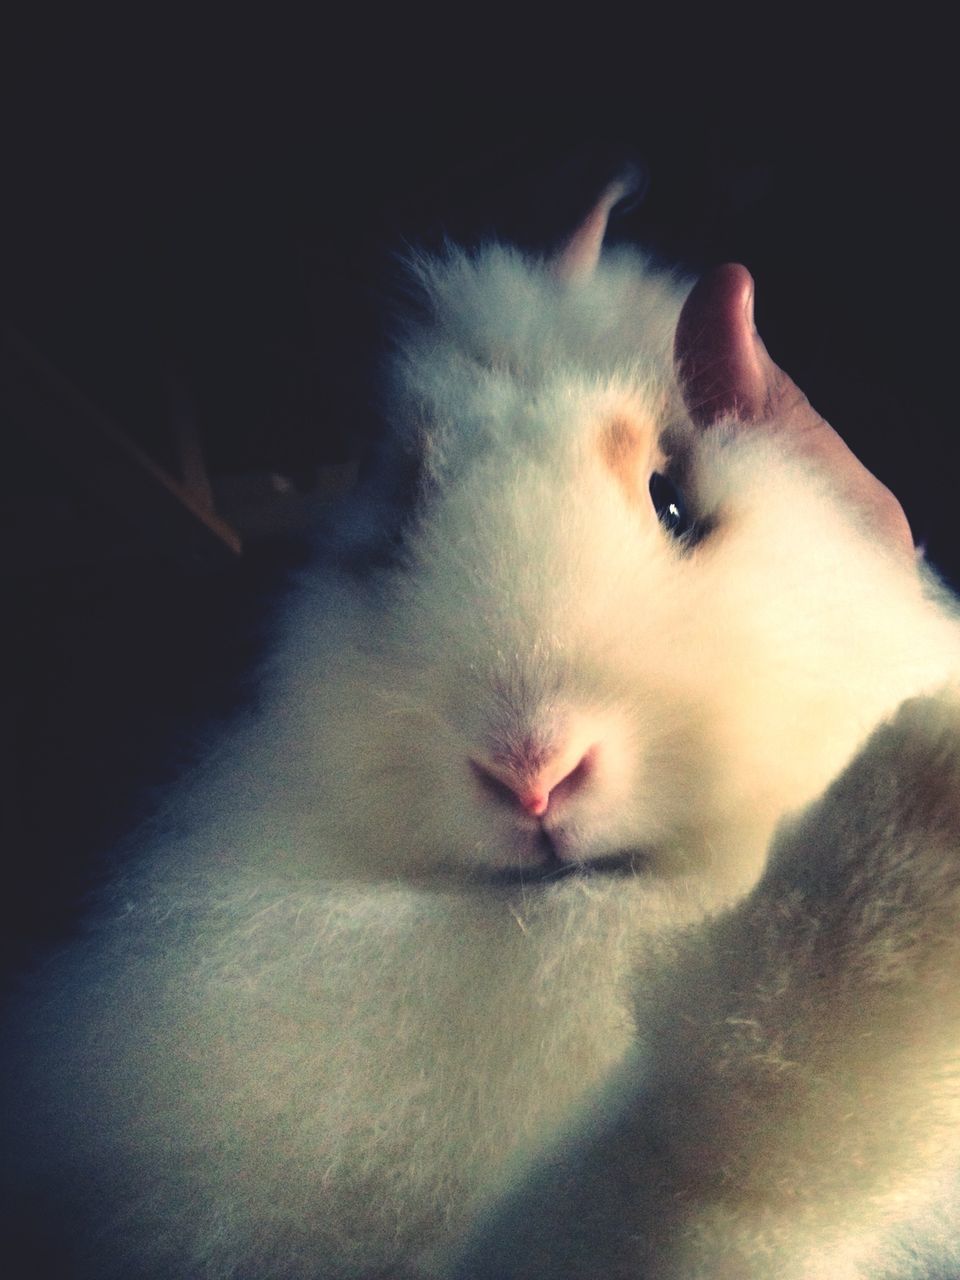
(577, 258)
(725, 372)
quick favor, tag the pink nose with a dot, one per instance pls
(534, 787)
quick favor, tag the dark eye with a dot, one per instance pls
(669, 505)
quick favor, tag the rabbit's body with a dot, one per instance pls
(322, 1016)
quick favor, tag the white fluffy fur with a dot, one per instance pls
(307, 1034)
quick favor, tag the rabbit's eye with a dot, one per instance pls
(669, 505)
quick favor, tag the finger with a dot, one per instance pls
(726, 372)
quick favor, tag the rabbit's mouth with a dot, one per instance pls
(551, 867)
(616, 864)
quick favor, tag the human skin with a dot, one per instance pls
(726, 371)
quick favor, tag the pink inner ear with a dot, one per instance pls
(719, 360)
(578, 258)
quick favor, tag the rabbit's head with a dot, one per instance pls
(630, 617)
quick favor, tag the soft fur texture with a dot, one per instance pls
(331, 1004)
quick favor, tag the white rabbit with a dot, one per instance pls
(491, 865)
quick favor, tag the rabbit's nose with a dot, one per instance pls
(534, 780)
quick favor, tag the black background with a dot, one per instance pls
(219, 192)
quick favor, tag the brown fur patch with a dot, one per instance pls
(625, 448)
